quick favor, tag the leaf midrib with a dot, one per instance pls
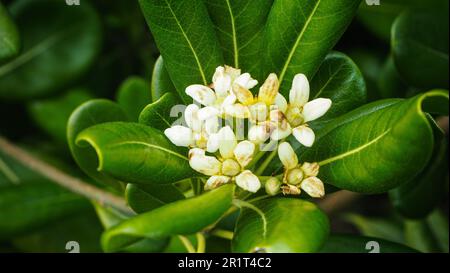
(150, 146)
(233, 30)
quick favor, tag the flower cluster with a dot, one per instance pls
(217, 152)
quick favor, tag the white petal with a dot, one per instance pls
(230, 167)
(269, 90)
(244, 152)
(299, 94)
(246, 81)
(243, 95)
(313, 186)
(233, 72)
(229, 100)
(216, 181)
(221, 81)
(304, 135)
(316, 108)
(311, 169)
(287, 155)
(237, 111)
(227, 142)
(207, 165)
(191, 116)
(248, 181)
(201, 94)
(196, 151)
(281, 103)
(283, 130)
(258, 111)
(211, 125)
(259, 133)
(180, 135)
(213, 143)
(207, 112)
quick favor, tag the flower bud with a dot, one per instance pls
(180, 135)
(294, 176)
(299, 94)
(244, 152)
(216, 181)
(248, 181)
(221, 81)
(310, 169)
(207, 165)
(272, 186)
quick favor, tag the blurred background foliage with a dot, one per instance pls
(103, 49)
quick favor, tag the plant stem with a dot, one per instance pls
(201, 242)
(266, 163)
(224, 234)
(187, 244)
(55, 175)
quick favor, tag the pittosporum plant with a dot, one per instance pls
(254, 121)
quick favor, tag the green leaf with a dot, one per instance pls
(378, 146)
(358, 244)
(240, 25)
(59, 43)
(390, 84)
(280, 225)
(10, 39)
(186, 39)
(420, 47)
(299, 34)
(86, 115)
(340, 80)
(159, 113)
(161, 82)
(377, 227)
(136, 153)
(179, 218)
(133, 95)
(59, 109)
(416, 198)
(438, 223)
(143, 198)
(418, 235)
(29, 206)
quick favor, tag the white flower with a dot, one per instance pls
(230, 166)
(229, 87)
(297, 176)
(197, 132)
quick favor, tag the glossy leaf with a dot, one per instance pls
(159, 114)
(86, 115)
(142, 198)
(280, 225)
(56, 49)
(186, 39)
(133, 95)
(383, 228)
(240, 25)
(179, 218)
(390, 84)
(299, 34)
(136, 153)
(10, 41)
(161, 82)
(377, 147)
(359, 244)
(420, 47)
(59, 109)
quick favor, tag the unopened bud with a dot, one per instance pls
(295, 176)
(269, 90)
(272, 186)
(314, 187)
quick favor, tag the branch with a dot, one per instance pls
(71, 183)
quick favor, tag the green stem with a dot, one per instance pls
(224, 234)
(266, 163)
(201, 242)
(187, 244)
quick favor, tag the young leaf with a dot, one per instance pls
(361, 244)
(239, 25)
(143, 198)
(161, 82)
(377, 147)
(186, 39)
(179, 218)
(280, 225)
(59, 109)
(56, 49)
(159, 113)
(136, 153)
(133, 95)
(86, 115)
(10, 41)
(420, 47)
(299, 34)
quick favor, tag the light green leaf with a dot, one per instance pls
(161, 82)
(358, 244)
(10, 39)
(143, 198)
(377, 147)
(240, 25)
(159, 113)
(299, 34)
(179, 218)
(136, 153)
(133, 95)
(280, 225)
(59, 43)
(186, 39)
(420, 47)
